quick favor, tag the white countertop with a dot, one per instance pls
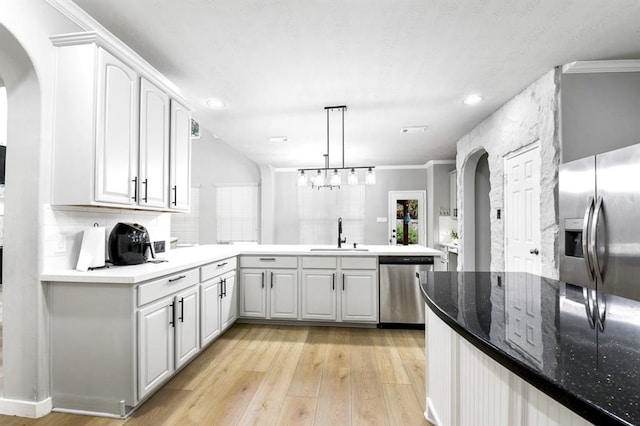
(191, 257)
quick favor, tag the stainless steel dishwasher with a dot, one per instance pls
(401, 303)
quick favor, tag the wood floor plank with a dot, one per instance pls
(193, 374)
(298, 411)
(415, 370)
(308, 375)
(390, 366)
(409, 343)
(334, 402)
(368, 405)
(403, 406)
(266, 349)
(267, 403)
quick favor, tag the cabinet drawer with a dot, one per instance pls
(217, 268)
(359, 262)
(319, 262)
(167, 285)
(268, 261)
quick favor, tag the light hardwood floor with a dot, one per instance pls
(287, 375)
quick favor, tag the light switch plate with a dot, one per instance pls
(381, 219)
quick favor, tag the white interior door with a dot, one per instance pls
(417, 217)
(522, 208)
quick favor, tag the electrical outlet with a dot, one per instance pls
(158, 246)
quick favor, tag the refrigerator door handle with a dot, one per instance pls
(588, 214)
(588, 307)
(593, 242)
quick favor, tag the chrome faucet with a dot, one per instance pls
(340, 239)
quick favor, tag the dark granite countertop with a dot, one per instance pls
(580, 347)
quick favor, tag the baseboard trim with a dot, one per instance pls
(430, 414)
(15, 407)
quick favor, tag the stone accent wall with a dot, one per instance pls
(531, 116)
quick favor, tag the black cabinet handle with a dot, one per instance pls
(181, 317)
(342, 282)
(272, 280)
(145, 182)
(177, 278)
(135, 189)
(270, 259)
(333, 281)
(175, 195)
(220, 265)
(224, 286)
(263, 280)
(173, 314)
(221, 288)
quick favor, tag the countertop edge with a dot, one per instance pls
(583, 408)
(201, 255)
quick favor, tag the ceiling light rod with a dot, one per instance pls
(335, 182)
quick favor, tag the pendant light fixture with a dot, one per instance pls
(322, 178)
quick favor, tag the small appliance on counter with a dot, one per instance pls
(128, 244)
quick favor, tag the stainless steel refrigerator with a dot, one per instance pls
(599, 203)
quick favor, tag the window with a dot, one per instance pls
(319, 210)
(237, 214)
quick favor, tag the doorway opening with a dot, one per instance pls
(407, 216)
(476, 229)
(482, 215)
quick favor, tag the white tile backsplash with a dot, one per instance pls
(64, 227)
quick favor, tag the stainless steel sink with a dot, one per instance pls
(338, 249)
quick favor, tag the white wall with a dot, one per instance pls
(27, 60)
(215, 163)
(3, 114)
(285, 191)
(437, 196)
(532, 115)
(600, 113)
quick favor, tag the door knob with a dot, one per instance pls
(534, 251)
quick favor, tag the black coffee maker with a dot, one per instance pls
(128, 244)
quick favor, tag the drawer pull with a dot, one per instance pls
(269, 259)
(177, 278)
(220, 265)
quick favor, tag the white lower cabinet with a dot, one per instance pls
(319, 295)
(348, 283)
(155, 345)
(283, 294)
(229, 300)
(168, 337)
(218, 299)
(210, 295)
(269, 293)
(269, 287)
(360, 296)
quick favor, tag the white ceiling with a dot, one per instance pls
(394, 63)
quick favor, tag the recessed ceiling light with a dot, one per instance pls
(414, 129)
(278, 139)
(215, 103)
(472, 99)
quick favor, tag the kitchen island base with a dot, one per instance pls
(467, 387)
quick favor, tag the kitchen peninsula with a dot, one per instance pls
(118, 334)
(515, 348)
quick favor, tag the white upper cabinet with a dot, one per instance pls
(180, 157)
(116, 131)
(120, 137)
(154, 146)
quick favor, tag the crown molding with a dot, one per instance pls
(585, 67)
(94, 32)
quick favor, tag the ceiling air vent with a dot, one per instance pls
(414, 129)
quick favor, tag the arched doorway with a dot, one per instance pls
(24, 352)
(482, 210)
(476, 227)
